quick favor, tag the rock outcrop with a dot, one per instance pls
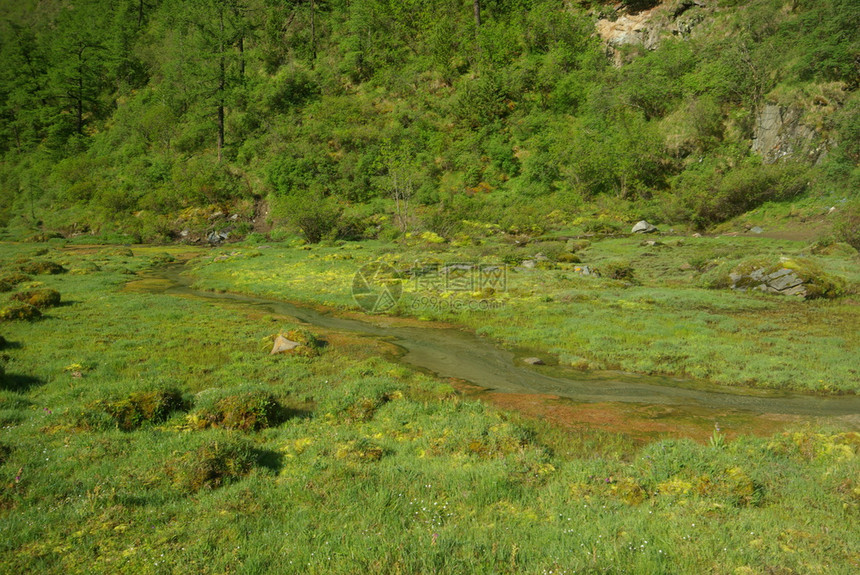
(781, 133)
(783, 281)
(648, 27)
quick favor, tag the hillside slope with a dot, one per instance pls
(161, 120)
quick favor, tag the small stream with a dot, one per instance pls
(454, 353)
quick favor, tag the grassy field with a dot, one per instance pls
(149, 433)
(658, 317)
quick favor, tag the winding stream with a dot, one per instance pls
(454, 353)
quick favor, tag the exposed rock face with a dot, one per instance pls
(647, 27)
(780, 133)
(630, 29)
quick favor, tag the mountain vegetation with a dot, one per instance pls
(151, 118)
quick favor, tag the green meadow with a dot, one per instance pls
(145, 432)
(659, 306)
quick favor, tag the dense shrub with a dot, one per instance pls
(249, 411)
(134, 411)
(20, 311)
(847, 227)
(42, 267)
(40, 298)
(617, 270)
(15, 278)
(215, 463)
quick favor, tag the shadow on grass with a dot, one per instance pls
(271, 460)
(288, 413)
(12, 382)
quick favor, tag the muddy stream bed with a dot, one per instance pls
(643, 406)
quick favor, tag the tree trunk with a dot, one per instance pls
(477, 5)
(242, 57)
(222, 81)
(313, 34)
(80, 94)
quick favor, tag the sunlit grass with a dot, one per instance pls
(371, 468)
(663, 322)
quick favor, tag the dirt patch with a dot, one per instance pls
(641, 423)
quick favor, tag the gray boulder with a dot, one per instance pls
(643, 227)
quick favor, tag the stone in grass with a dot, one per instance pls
(533, 361)
(283, 345)
(643, 227)
(20, 311)
(297, 342)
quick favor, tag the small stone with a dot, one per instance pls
(283, 344)
(685, 267)
(756, 230)
(528, 264)
(533, 361)
(697, 235)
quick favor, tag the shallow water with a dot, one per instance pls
(454, 353)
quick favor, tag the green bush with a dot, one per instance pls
(617, 270)
(20, 311)
(847, 227)
(359, 400)
(306, 338)
(216, 462)
(40, 298)
(249, 411)
(743, 189)
(314, 215)
(15, 278)
(134, 411)
(42, 267)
